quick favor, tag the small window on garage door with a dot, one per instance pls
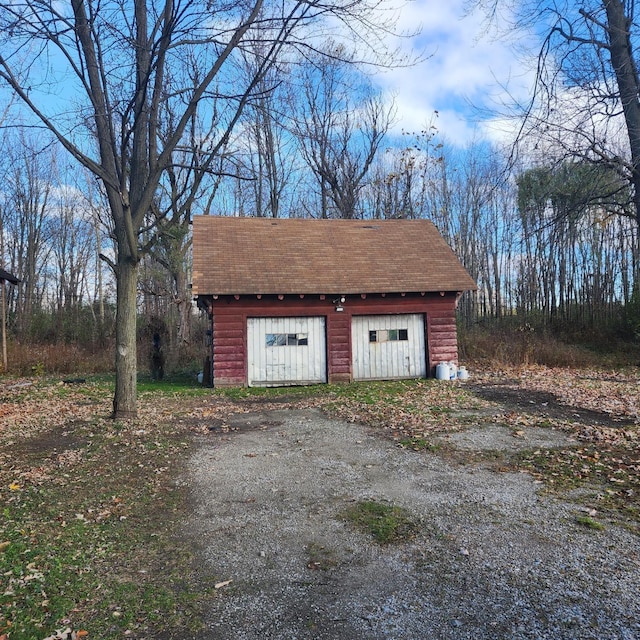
(387, 347)
(286, 351)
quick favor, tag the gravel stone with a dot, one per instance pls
(493, 558)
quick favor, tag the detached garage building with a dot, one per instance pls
(296, 301)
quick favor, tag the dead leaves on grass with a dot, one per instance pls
(57, 442)
(28, 409)
(420, 409)
(608, 458)
(613, 392)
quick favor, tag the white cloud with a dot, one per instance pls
(468, 71)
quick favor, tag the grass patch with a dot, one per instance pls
(418, 444)
(183, 385)
(404, 409)
(89, 533)
(386, 523)
(589, 523)
(609, 473)
(273, 393)
(320, 558)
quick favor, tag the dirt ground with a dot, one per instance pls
(542, 403)
(494, 557)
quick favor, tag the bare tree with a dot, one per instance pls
(339, 136)
(266, 153)
(576, 264)
(28, 185)
(72, 246)
(398, 188)
(137, 74)
(586, 99)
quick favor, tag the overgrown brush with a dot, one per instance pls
(65, 359)
(511, 344)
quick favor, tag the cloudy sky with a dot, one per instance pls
(468, 66)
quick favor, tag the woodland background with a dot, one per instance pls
(553, 243)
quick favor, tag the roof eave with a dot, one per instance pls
(336, 292)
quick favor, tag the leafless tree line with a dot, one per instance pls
(190, 106)
(539, 245)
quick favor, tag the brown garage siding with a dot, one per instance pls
(442, 335)
(229, 343)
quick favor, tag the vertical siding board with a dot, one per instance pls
(385, 359)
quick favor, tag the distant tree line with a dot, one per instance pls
(554, 244)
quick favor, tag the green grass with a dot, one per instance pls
(590, 523)
(386, 523)
(90, 536)
(248, 393)
(418, 444)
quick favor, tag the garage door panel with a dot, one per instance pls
(388, 346)
(285, 351)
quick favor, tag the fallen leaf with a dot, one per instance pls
(219, 585)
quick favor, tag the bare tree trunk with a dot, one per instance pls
(621, 51)
(124, 402)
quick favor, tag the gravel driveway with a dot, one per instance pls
(493, 558)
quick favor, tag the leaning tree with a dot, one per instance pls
(120, 83)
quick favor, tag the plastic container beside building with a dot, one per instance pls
(450, 371)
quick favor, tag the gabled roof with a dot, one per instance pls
(237, 256)
(9, 277)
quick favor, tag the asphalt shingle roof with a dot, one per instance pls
(238, 256)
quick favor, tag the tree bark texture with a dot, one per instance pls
(125, 398)
(624, 66)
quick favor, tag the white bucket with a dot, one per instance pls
(443, 371)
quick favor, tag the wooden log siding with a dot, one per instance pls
(229, 318)
(442, 337)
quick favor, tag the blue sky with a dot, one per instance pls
(469, 65)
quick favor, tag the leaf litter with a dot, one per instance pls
(105, 476)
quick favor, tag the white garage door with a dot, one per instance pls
(283, 351)
(386, 347)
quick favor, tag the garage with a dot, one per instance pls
(309, 301)
(388, 346)
(285, 351)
